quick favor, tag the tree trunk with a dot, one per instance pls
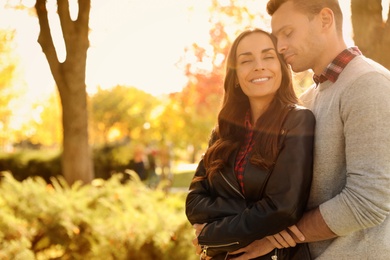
(70, 79)
(371, 33)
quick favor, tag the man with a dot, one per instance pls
(349, 205)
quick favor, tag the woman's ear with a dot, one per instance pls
(237, 83)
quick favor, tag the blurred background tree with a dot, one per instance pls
(120, 114)
(204, 66)
(8, 64)
(69, 75)
(371, 32)
(119, 118)
(123, 115)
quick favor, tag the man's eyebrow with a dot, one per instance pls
(279, 30)
(250, 53)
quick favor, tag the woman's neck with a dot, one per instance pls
(257, 109)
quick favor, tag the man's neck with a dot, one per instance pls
(329, 55)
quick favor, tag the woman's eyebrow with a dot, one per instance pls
(245, 54)
(250, 53)
(267, 50)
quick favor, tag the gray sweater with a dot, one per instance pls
(351, 179)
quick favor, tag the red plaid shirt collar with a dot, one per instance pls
(334, 69)
(245, 149)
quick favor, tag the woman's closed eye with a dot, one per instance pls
(268, 57)
(245, 61)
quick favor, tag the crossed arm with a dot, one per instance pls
(299, 137)
(310, 228)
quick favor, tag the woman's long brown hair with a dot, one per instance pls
(229, 132)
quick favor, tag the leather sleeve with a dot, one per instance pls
(203, 207)
(285, 195)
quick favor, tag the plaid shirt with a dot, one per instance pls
(245, 149)
(334, 69)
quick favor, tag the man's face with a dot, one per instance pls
(298, 37)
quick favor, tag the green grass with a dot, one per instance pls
(182, 179)
(182, 175)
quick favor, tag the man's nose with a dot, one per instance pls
(282, 47)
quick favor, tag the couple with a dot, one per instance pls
(267, 187)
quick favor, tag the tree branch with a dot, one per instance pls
(45, 39)
(83, 17)
(82, 25)
(386, 30)
(67, 25)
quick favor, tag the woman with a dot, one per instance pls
(254, 179)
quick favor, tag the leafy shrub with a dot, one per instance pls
(31, 163)
(28, 163)
(110, 159)
(104, 220)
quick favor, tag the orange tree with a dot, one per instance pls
(204, 66)
(43, 127)
(121, 113)
(7, 71)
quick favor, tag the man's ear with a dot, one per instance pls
(327, 19)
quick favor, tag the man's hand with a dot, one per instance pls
(255, 249)
(287, 238)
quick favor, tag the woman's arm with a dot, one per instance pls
(285, 195)
(203, 207)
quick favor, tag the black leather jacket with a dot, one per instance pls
(273, 200)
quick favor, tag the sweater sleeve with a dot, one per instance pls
(365, 200)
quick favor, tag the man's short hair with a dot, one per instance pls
(311, 8)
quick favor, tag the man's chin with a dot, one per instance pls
(296, 68)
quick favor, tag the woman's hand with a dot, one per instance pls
(198, 228)
(255, 249)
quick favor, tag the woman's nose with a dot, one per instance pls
(259, 65)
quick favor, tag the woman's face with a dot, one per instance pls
(258, 68)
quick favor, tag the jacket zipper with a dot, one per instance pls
(275, 256)
(204, 248)
(231, 186)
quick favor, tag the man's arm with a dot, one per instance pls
(313, 227)
(310, 228)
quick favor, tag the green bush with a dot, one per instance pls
(46, 164)
(104, 220)
(29, 163)
(110, 159)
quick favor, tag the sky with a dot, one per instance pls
(133, 42)
(143, 43)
